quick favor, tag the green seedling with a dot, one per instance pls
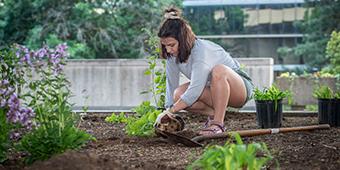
(114, 118)
(323, 92)
(272, 93)
(232, 156)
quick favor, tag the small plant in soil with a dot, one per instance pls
(158, 76)
(328, 105)
(114, 118)
(234, 156)
(325, 92)
(272, 93)
(269, 106)
(141, 123)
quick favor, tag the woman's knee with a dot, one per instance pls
(179, 91)
(220, 72)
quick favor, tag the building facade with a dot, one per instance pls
(249, 28)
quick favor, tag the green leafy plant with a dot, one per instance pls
(15, 116)
(48, 94)
(312, 107)
(114, 118)
(52, 139)
(142, 126)
(323, 92)
(142, 109)
(272, 93)
(4, 135)
(333, 52)
(140, 123)
(158, 76)
(233, 156)
(337, 95)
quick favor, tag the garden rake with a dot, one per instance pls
(195, 142)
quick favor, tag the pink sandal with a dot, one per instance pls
(214, 127)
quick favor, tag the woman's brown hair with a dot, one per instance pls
(176, 27)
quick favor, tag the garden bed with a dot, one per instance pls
(115, 150)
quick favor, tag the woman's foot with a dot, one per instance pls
(214, 127)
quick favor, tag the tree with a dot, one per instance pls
(320, 20)
(105, 29)
(204, 22)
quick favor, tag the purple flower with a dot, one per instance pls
(14, 135)
(3, 103)
(2, 91)
(41, 53)
(4, 82)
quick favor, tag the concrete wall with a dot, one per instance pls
(302, 88)
(117, 83)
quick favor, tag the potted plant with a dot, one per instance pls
(269, 106)
(328, 105)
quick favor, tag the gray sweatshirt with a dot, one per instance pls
(204, 56)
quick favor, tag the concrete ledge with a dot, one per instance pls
(117, 83)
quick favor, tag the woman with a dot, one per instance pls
(216, 80)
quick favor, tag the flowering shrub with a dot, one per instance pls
(13, 114)
(39, 80)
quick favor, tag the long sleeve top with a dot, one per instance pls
(204, 56)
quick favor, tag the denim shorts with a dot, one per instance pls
(247, 82)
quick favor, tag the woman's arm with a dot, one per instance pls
(199, 77)
(172, 81)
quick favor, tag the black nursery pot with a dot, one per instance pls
(329, 111)
(336, 105)
(267, 114)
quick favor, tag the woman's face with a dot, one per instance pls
(171, 45)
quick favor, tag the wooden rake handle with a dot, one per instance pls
(257, 132)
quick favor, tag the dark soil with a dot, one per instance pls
(114, 150)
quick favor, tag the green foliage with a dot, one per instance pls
(337, 95)
(139, 124)
(203, 22)
(320, 19)
(10, 70)
(4, 135)
(114, 118)
(76, 50)
(324, 92)
(158, 76)
(272, 93)
(51, 139)
(333, 52)
(14, 74)
(144, 108)
(142, 126)
(48, 94)
(312, 107)
(233, 156)
(104, 29)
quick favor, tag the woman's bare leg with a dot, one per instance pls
(226, 89)
(202, 106)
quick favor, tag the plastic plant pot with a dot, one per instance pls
(325, 109)
(268, 113)
(335, 116)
